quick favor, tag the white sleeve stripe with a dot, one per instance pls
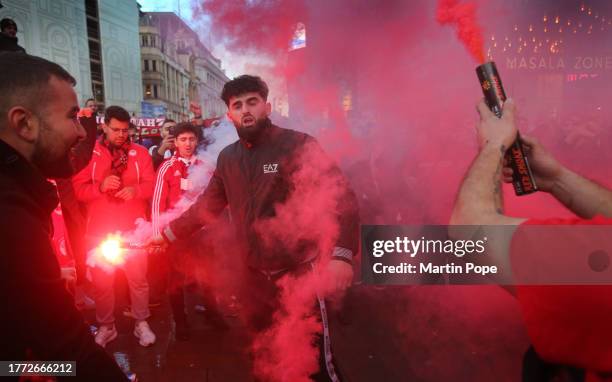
(157, 192)
(169, 234)
(343, 252)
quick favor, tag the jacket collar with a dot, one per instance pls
(29, 177)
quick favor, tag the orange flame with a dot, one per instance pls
(111, 250)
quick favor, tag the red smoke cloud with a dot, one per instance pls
(310, 212)
(463, 16)
(408, 139)
(287, 351)
(258, 25)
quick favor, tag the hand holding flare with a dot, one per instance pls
(112, 252)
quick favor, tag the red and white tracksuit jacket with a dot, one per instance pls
(170, 184)
(105, 213)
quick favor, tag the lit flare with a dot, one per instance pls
(112, 251)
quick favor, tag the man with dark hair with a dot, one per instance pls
(242, 85)
(170, 185)
(8, 36)
(164, 150)
(115, 186)
(568, 325)
(91, 103)
(38, 128)
(270, 179)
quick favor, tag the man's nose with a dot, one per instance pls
(81, 133)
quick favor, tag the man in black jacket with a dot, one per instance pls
(38, 128)
(275, 181)
(8, 36)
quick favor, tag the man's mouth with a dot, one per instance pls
(73, 147)
(248, 120)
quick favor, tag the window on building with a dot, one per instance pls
(148, 91)
(154, 65)
(143, 40)
(154, 91)
(96, 71)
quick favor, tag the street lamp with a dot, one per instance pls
(183, 108)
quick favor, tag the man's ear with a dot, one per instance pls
(268, 108)
(25, 124)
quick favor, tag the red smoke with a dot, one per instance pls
(309, 214)
(463, 16)
(411, 135)
(258, 25)
(287, 351)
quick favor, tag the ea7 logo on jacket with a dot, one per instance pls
(270, 167)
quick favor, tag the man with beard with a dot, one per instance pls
(38, 128)
(568, 324)
(115, 186)
(267, 179)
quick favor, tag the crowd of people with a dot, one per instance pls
(103, 182)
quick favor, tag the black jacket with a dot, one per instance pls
(39, 319)
(9, 44)
(254, 179)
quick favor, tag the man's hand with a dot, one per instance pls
(166, 144)
(110, 183)
(156, 244)
(544, 166)
(496, 132)
(127, 193)
(339, 276)
(68, 274)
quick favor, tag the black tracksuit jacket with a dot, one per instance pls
(252, 178)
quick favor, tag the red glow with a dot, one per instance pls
(463, 16)
(287, 351)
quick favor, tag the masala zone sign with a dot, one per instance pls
(576, 63)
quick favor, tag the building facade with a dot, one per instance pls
(96, 41)
(179, 73)
(165, 73)
(210, 80)
(121, 53)
(54, 30)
